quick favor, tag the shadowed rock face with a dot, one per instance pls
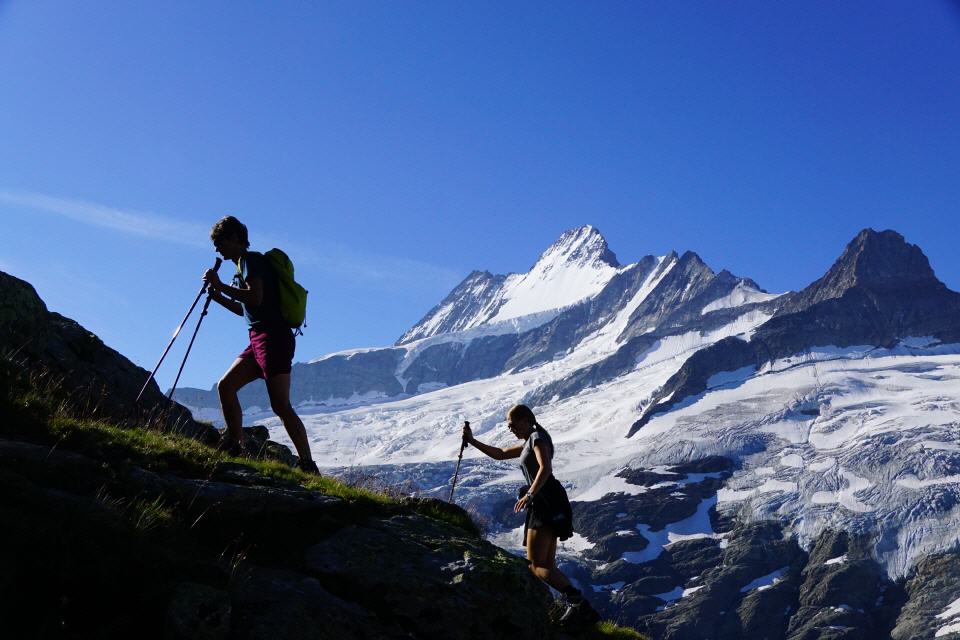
(239, 555)
(467, 301)
(96, 379)
(879, 291)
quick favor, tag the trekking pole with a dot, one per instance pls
(206, 305)
(463, 445)
(176, 333)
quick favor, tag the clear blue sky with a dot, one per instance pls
(392, 147)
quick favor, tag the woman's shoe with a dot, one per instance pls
(308, 466)
(579, 614)
(231, 446)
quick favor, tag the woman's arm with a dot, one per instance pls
(543, 474)
(252, 295)
(226, 302)
(494, 452)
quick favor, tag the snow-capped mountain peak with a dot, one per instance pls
(583, 246)
(575, 267)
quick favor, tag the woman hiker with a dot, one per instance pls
(270, 352)
(549, 516)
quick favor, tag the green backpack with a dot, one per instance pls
(293, 297)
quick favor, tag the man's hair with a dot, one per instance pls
(229, 226)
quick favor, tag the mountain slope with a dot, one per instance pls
(828, 410)
(878, 292)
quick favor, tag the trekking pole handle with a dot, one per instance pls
(206, 285)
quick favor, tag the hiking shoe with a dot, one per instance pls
(308, 466)
(579, 614)
(231, 447)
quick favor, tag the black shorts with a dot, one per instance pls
(550, 509)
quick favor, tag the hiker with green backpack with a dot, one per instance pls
(274, 305)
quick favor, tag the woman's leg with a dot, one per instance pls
(541, 552)
(278, 387)
(242, 372)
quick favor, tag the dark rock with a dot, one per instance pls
(272, 604)
(410, 565)
(840, 594)
(198, 612)
(934, 584)
(258, 446)
(612, 546)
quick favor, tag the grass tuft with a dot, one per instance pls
(42, 413)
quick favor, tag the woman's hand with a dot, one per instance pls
(522, 503)
(467, 433)
(212, 280)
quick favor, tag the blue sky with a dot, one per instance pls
(392, 147)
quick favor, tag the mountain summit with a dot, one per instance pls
(877, 260)
(575, 267)
(584, 246)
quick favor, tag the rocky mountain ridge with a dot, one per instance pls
(474, 333)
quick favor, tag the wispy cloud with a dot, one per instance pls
(133, 222)
(342, 261)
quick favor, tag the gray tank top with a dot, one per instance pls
(528, 458)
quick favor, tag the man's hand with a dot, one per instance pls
(212, 280)
(467, 433)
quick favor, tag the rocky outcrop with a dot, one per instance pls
(75, 366)
(459, 309)
(931, 596)
(99, 547)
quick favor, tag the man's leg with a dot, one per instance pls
(278, 386)
(242, 372)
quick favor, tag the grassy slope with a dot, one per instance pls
(150, 527)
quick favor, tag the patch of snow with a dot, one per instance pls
(823, 465)
(792, 460)
(670, 596)
(612, 587)
(950, 628)
(765, 582)
(727, 378)
(952, 610)
(742, 294)
(695, 527)
(771, 485)
(911, 481)
(576, 543)
(609, 484)
(838, 560)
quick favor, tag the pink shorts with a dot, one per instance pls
(272, 350)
